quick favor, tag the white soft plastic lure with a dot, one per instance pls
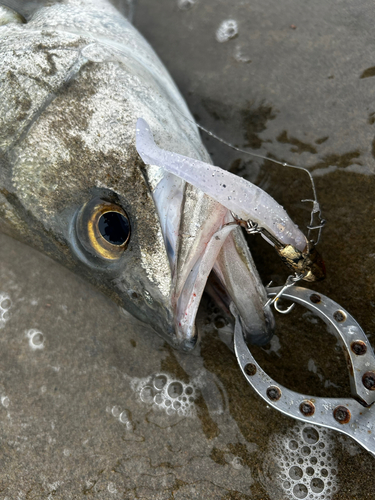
(246, 200)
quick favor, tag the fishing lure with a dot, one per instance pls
(306, 264)
(257, 211)
(250, 206)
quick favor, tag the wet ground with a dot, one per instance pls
(93, 403)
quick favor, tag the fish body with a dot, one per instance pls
(73, 81)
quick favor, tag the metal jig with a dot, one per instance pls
(353, 416)
(307, 264)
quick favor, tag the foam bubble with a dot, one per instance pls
(160, 381)
(175, 389)
(112, 488)
(168, 394)
(5, 401)
(36, 339)
(306, 466)
(147, 394)
(123, 415)
(5, 305)
(116, 411)
(227, 30)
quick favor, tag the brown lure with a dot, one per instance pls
(307, 263)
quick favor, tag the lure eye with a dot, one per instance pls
(103, 228)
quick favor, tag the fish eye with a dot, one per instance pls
(114, 227)
(103, 228)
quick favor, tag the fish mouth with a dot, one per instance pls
(224, 256)
(200, 238)
(193, 279)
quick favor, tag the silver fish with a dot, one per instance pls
(75, 76)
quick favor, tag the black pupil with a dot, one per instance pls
(114, 228)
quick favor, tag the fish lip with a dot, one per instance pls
(189, 299)
(259, 330)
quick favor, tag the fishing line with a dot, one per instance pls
(316, 205)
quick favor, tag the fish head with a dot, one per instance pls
(73, 185)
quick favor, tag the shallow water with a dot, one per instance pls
(92, 401)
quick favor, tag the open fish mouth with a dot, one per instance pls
(215, 246)
(187, 299)
(200, 237)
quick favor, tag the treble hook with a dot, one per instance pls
(291, 281)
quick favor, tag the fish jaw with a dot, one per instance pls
(225, 253)
(200, 238)
(239, 278)
(203, 237)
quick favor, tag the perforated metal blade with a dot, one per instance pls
(353, 416)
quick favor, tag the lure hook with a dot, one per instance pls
(291, 281)
(283, 311)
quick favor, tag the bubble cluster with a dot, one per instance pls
(227, 30)
(122, 415)
(163, 392)
(36, 339)
(5, 304)
(307, 467)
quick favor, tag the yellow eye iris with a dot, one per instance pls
(104, 229)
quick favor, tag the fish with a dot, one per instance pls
(75, 76)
